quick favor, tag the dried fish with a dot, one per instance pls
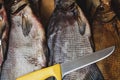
(27, 43)
(104, 11)
(106, 32)
(100, 8)
(69, 38)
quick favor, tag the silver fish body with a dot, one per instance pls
(69, 38)
(27, 48)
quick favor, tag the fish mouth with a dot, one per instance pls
(106, 17)
(18, 6)
(67, 6)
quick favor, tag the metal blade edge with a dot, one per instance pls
(84, 61)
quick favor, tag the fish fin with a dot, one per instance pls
(82, 28)
(92, 43)
(81, 23)
(26, 25)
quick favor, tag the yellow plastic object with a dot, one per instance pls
(44, 74)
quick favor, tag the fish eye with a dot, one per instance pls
(101, 8)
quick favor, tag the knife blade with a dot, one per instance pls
(86, 60)
(60, 70)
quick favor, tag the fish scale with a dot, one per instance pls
(76, 43)
(67, 43)
(77, 46)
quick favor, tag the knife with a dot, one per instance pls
(60, 70)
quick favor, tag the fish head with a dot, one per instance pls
(65, 4)
(103, 11)
(18, 5)
(100, 5)
(20, 14)
(100, 10)
(104, 6)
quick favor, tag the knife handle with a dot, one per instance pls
(43, 73)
